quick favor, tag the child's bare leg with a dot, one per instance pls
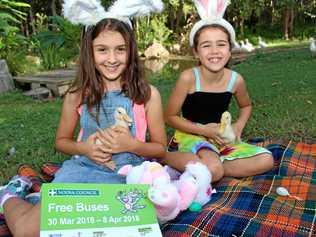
(213, 163)
(178, 160)
(247, 167)
(22, 218)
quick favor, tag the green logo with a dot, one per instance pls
(130, 200)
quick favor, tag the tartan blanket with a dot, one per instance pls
(251, 207)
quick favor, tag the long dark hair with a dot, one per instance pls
(89, 81)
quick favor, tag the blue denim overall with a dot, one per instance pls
(80, 169)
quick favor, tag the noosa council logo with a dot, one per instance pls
(73, 192)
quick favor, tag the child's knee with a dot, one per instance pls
(268, 160)
(265, 162)
(24, 228)
(28, 224)
(216, 170)
(213, 163)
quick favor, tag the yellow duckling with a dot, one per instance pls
(121, 119)
(226, 130)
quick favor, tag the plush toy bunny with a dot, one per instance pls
(203, 179)
(169, 198)
(162, 192)
(167, 201)
(151, 173)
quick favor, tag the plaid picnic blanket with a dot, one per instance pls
(251, 207)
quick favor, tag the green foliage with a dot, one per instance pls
(304, 31)
(13, 45)
(57, 43)
(52, 57)
(70, 34)
(285, 3)
(143, 33)
(16, 60)
(160, 30)
(12, 9)
(40, 23)
(152, 29)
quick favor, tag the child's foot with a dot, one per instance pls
(27, 171)
(18, 186)
(33, 198)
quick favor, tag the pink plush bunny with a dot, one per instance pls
(169, 198)
(166, 200)
(203, 179)
(151, 173)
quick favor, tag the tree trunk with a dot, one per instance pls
(286, 23)
(179, 17)
(32, 20)
(172, 20)
(53, 8)
(241, 25)
(273, 15)
(25, 28)
(291, 23)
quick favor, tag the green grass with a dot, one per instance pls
(30, 127)
(282, 86)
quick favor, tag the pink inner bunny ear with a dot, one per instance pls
(204, 3)
(220, 7)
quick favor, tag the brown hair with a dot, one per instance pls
(89, 81)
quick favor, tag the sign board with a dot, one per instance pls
(97, 210)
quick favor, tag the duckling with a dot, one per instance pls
(121, 119)
(226, 130)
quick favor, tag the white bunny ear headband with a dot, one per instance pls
(211, 13)
(90, 12)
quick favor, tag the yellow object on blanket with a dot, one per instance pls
(193, 143)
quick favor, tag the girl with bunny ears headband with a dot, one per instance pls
(92, 15)
(200, 97)
(211, 13)
(108, 77)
